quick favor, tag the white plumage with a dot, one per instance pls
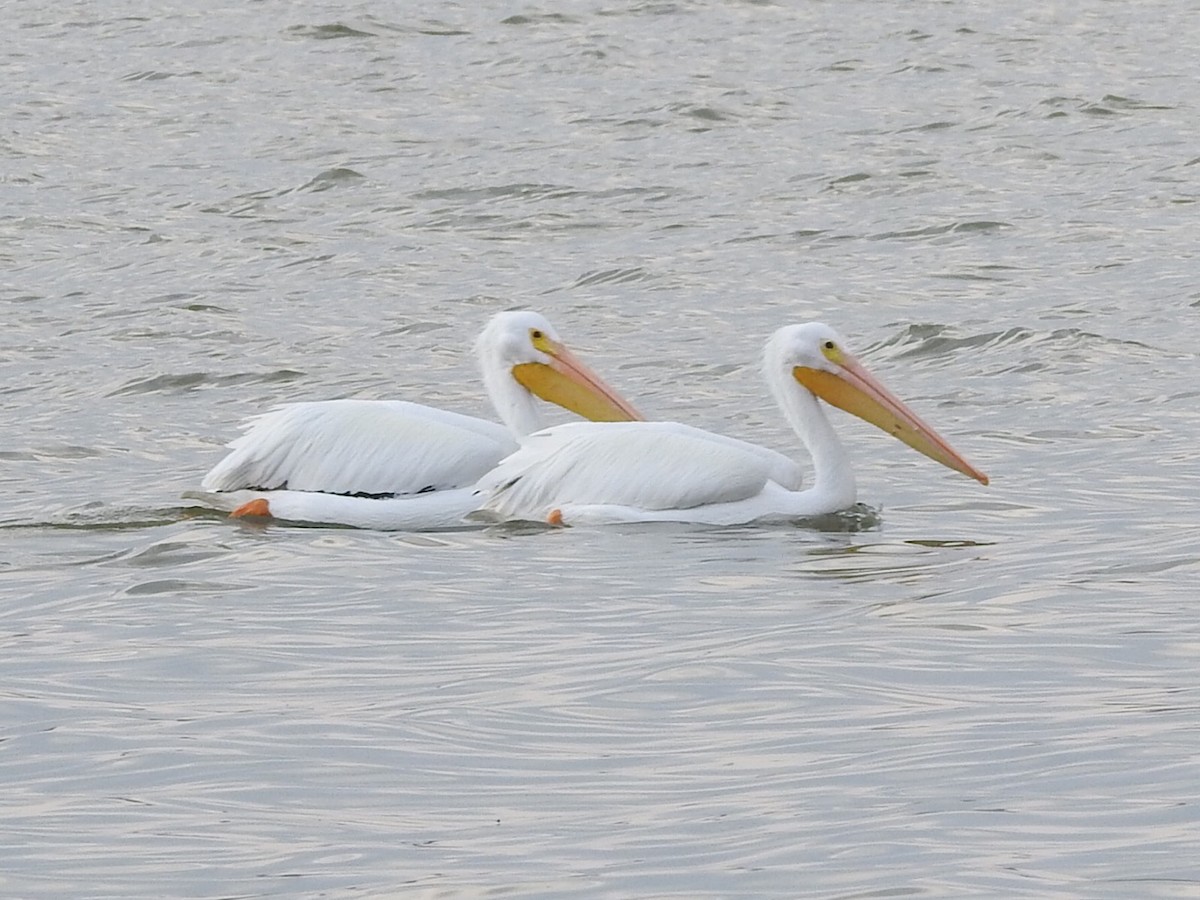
(652, 466)
(360, 446)
(652, 471)
(396, 464)
(405, 512)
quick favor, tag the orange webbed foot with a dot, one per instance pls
(258, 509)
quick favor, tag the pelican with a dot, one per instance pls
(391, 464)
(589, 473)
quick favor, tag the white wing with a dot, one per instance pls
(781, 469)
(643, 465)
(360, 446)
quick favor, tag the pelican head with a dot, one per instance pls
(522, 356)
(816, 357)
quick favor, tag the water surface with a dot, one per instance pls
(987, 692)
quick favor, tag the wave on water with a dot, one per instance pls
(106, 518)
(859, 517)
(931, 340)
(102, 517)
(183, 382)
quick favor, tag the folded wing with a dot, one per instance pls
(360, 447)
(642, 465)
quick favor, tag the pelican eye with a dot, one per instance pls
(831, 351)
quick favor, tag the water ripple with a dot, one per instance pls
(956, 691)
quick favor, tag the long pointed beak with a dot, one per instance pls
(859, 393)
(567, 382)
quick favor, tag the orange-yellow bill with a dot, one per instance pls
(859, 393)
(570, 384)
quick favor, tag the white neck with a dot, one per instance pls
(833, 485)
(517, 408)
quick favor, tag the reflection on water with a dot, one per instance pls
(949, 691)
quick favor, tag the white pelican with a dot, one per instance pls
(391, 464)
(588, 473)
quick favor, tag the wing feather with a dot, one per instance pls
(645, 465)
(781, 469)
(360, 446)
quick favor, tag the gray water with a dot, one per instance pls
(980, 692)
